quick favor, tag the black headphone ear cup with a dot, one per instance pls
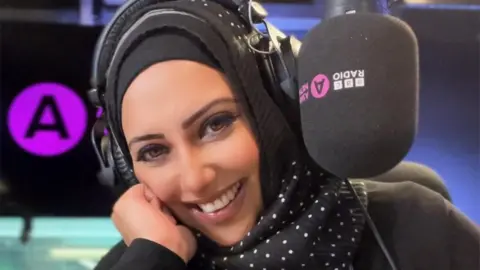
(122, 166)
(106, 175)
(106, 151)
(106, 47)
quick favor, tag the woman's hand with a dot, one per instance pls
(140, 214)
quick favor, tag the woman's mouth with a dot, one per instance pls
(222, 201)
(222, 208)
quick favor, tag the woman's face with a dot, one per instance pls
(192, 146)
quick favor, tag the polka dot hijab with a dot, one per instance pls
(315, 223)
(311, 219)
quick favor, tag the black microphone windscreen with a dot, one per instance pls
(358, 76)
(334, 8)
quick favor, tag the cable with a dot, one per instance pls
(374, 229)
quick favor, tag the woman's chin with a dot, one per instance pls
(228, 236)
(223, 241)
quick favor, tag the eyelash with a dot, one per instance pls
(225, 120)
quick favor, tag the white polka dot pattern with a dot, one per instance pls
(322, 235)
(314, 221)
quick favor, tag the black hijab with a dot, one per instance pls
(311, 220)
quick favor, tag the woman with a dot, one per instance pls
(226, 184)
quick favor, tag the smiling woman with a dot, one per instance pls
(200, 158)
(222, 180)
(214, 154)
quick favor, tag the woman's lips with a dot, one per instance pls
(226, 212)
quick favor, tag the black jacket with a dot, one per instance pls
(420, 229)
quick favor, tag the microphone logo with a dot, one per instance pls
(318, 88)
(349, 79)
(320, 84)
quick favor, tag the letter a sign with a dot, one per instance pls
(47, 119)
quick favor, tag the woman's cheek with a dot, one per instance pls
(159, 183)
(238, 152)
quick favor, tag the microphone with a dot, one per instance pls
(359, 81)
(335, 8)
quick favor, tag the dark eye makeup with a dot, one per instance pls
(216, 123)
(212, 128)
(151, 151)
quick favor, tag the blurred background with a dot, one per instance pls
(47, 45)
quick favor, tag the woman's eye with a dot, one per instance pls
(217, 124)
(151, 152)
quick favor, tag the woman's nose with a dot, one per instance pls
(197, 174)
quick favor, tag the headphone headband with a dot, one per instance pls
(248, 11)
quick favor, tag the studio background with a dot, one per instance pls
(448, 139)
(53, 41)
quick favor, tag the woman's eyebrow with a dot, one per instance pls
(190, 120)
(185, 124)
(145, 137)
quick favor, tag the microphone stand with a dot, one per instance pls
(97, 9)
(10, 207)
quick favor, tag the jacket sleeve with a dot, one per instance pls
(464, 241)
(142, 254)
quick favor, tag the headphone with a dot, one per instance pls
(276, 55)
(276, 58)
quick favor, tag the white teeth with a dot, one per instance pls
(221, 202)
